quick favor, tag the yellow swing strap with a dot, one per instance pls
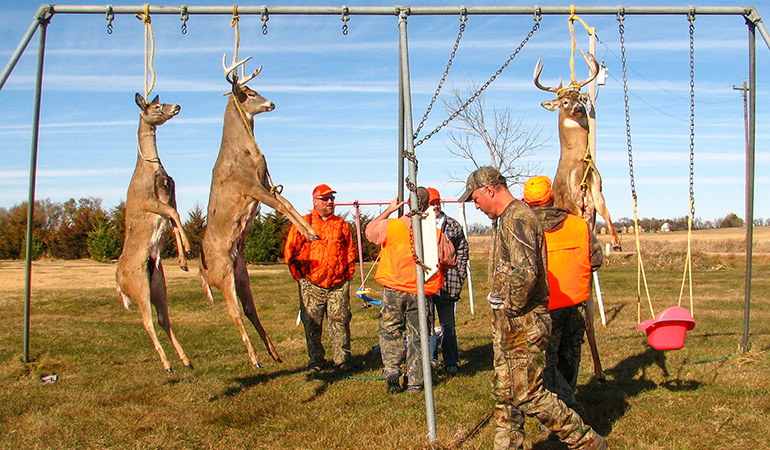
(363, 282)
(640, 274)
(149, 52)
(688, 262)
(589, 164)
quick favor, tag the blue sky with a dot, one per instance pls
(335, 120)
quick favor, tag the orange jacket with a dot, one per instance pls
(569, 263)
(325, 262)
(397, 269)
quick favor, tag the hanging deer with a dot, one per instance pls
(577, 185)
(240, 181)
(150, 205)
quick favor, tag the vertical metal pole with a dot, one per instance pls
(360, 243)
(592, 96)
(422, 308)
(43, 21)
(401, 128)
(750, 182)
(467, 266)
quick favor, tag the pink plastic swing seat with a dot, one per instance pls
(668, 330)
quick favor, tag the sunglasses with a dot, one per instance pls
(326, 198)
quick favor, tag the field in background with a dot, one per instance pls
(111, 391)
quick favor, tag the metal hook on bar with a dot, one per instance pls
(538, 14)
(691, 14)
(621, 14)
(345, 18)
(463, 14)
(110, 18)
(184, 17)
(265, 18)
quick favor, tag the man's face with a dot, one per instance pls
(482, 198)
(324, 205)
(436, 204)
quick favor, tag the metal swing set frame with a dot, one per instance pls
(406, 138)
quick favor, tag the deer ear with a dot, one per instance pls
(551, 105)
(238, 93)
(583, 99)
(140, 101)
(155, 100)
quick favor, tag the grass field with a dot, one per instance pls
(112, 393)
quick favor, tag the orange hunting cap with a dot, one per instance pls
(433, 195)
(321, 190)
(537, 190)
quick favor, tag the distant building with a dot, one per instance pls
(603, 230)
(665, 228)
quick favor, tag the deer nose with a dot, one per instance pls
(270, 107)
(177, 108)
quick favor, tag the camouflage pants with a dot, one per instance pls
(334, 303)
(398, 316)
(519, 345)
(562, 359)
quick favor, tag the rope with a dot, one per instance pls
(234, 24)
(149, 52)
(572, 18)
(363, 282)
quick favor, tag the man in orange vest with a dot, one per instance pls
(573, 253)
(323, 268)
(397, 272)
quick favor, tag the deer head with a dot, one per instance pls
(156, 113)
(251, 102)
(571, 101)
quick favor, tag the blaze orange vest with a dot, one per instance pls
(569, 263)
(397, 269)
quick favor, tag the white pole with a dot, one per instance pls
(599, 298)
(468, 266)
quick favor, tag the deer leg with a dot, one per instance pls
(160, 208)
(243, 289)
(231, 300)
(283, 206)
(595, 186)
(142, 298)
(160, 300)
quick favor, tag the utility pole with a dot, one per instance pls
(749, 217)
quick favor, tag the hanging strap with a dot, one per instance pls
(574, 84)
(149, 52)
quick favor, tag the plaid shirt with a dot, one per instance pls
(455, 276)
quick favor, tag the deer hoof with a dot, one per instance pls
(170, 370)
(617, 248)
(190, 366)
(258, 365)
(184, 267)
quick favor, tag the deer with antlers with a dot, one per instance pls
(577, 185)
(150, 205)
(240, 182)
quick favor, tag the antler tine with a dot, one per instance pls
(538, 70)
(247, 79)
(594, 68)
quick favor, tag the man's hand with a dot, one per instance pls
(494, 302)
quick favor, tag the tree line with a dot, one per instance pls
(85, 229)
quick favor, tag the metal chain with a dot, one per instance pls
(463, 19)
(265, 18)
(691, 18)
(110, 18)
(184, 17)
(345, 18)
(622, 28)
(484, 86)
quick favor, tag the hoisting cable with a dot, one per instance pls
(472, 98)
(463, 19)
(149, 52)
(640, 274)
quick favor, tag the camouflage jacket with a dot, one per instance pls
(517, 269)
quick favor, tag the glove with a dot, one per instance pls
(494, 302)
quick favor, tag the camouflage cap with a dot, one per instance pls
(483, 176)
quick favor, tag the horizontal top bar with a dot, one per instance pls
(417, 10)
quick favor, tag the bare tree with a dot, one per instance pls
(506, 144)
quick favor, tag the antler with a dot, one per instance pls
(592, 64)
(594, 68)
(231, 70)
(538, 70)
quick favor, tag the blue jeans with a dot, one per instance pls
(446, 317)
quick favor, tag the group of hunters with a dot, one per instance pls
(539, 280)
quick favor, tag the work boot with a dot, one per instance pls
(394, 384)
(598, 444)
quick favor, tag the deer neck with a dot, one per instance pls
(572, 133)
(238, 128)
(148, 148)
